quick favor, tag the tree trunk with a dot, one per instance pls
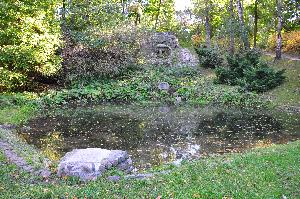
(123, 7)
(255, 24)
(207, 24)
(157, 15)
(231, 39)
(242, 24)
(279, 29)
(63, 14)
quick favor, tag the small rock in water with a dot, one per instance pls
(178, 100)
(163, 86)
(164, 109)
(114, 178)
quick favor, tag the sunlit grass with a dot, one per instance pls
(17, 114)
(289, 92)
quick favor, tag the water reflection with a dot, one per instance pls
(153, 136)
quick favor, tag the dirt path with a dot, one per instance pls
(284, 56)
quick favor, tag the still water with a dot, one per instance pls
(156, 135)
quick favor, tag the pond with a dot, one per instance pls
(156, 135)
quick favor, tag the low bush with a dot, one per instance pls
(93, 54)
(246, 70)
(209, 57)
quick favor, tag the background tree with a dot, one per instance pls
(291, 15)
(208, 6)
(279, 29)
(204, 11)
(255, 23)
(231, 27)
(242, 25)
(161, 14)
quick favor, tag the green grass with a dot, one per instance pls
(17, 108)
(261, 173)
(17, 114)
(289, 92)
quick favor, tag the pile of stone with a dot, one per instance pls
(163, 49)
(88, 164)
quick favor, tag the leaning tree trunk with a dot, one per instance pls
(242, 25)
(279, 29)
(231, 29)
(255, 24)
(207, 25)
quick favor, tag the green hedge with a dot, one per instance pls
(247, 71)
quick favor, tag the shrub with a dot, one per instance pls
(95, 54)
(262, 78)
(29, 39)
(209, 57)
(245, 70)
(142, 86)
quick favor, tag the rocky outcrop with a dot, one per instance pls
(163, 49)
(186, 58)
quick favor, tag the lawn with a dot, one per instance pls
(289, 92)
(271, 172)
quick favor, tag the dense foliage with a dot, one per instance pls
(246, 70)
(29, 39)
(209, 57)
(111, 55)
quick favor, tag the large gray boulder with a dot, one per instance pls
(88, 164)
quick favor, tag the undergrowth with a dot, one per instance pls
(185, 84)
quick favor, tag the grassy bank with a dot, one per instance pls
(17, 108)
(261, 173)
(289, 92)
